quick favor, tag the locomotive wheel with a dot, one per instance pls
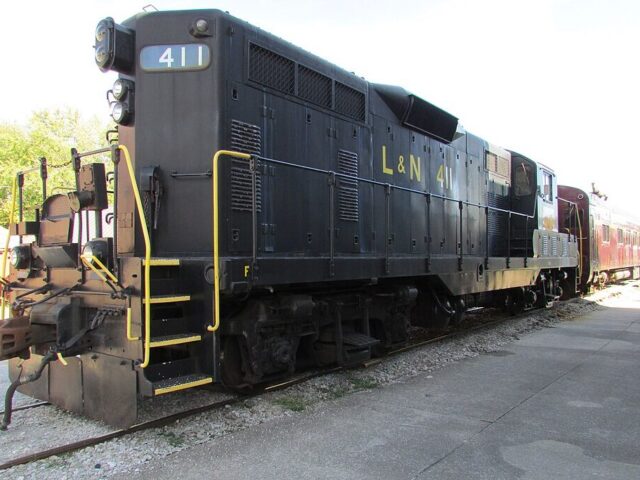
(233, 366)
(459, 309)
(514, 302)
(432, 312)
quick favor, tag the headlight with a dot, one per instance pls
(101, 56)
(88, 251)
(20, 257)
(114, 47)
(14, 258)
(120, 113)
(99, 248)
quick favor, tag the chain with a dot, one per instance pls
(60, 165)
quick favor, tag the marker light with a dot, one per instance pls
(120, 113)
(121, 88)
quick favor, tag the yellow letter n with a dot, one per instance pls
(415, 166)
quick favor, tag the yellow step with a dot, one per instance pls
(168, 299)
(162, 262)
(168, 340)
(180, 383)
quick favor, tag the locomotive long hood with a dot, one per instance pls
(418, 114)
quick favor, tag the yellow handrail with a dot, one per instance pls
(6, 243)
(580, 242)
(88, 260)
(147, 259)
(62, 360)
(216, 256)
(130, 337)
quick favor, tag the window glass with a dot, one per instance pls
(605, 233)
(547, 190)
(620, 237)
(523, 180)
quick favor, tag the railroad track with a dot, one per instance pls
(166, 420)
(26, 407)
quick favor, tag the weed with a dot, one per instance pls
(173, 439)
(295, 404)
(363, 383)
(338, 392)
(56, 461)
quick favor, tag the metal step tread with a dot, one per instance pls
(162, 262)
(166, 340)
(359, 340)
(183, 382)
(168, 299)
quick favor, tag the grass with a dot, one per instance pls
(56, 461)
(173, 439)
(363, 383)
(338, 392)
(295, 404)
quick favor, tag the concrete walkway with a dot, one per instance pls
(561, 403)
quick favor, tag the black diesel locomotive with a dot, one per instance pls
(271, 211)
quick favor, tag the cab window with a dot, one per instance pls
(523, 180)
(547, 186)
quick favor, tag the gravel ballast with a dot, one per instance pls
(44, 427)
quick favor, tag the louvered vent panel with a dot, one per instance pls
(348, 189)
(314, 87)
(270, 69)
(497, 223)
(545, 245)
(245, 138)
(565, 246)
(554, 246)
(349, 102)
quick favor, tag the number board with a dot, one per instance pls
(165, 58)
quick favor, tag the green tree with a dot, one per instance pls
(50, 134)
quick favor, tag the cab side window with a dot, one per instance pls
(547, 186)
(523, 180)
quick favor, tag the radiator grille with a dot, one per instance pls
(349, 102)
(545, 245)
(497, 224)
(270, 69)
(245, 138)
(348, 189)
(283, 74)
(314, 87)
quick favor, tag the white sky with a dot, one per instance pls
(557, 80)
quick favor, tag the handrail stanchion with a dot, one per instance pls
(6, 242)
(216, 253)
(147, 258)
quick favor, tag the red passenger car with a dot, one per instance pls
(608, 240)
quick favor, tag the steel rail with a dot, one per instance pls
(163, 421)
(27, 407)
(155, 423)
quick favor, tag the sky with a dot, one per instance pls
(556, 80)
